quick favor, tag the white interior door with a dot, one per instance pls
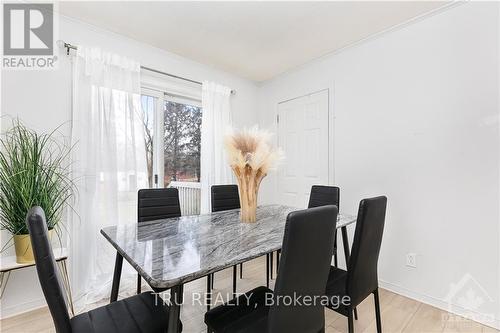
(303, 135)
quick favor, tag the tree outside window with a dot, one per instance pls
(181, 140)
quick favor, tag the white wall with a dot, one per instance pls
(416, 119)
(42, 99)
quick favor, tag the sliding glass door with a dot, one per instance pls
(172, 127)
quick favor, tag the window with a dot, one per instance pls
(148, 108)
(182, 142)
(173, 156)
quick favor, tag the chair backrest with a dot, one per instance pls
(48, 274)
(157, 204)
(303, 271)
(225, 197)
(362, 278)
(324, 195)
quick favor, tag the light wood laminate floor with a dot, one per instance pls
(399, 314)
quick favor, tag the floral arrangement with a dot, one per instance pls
(251, 155)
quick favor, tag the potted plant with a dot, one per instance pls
(34, 170)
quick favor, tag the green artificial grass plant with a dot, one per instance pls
(34, 170)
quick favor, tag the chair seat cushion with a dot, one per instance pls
(244, 314)
(141, 313)
(336, 286)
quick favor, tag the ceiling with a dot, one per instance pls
(254, 40)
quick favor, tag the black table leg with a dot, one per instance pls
(267, 270)
(209, 291)
(138, 284)
(241, 271)
(345, 240)
(116, 278)
(335, 253)
(277, 261)
(234, 279)
(271, 264)
(176, 296)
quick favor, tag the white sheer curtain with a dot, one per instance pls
(109, 163)
(216, 120)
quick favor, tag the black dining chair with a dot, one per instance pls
(303, 272)
(326, 195)
(361, 279)
(321, 196)
(140, 313)
(225, 197)
(156, 204)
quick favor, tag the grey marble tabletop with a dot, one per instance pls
(172, 251)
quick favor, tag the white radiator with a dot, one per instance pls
(189, 197)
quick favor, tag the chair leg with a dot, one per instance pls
(271, 255)
(277, 261)
(138, 283)
(212, 280)
(377, 311)
(335, 257)
(350, 322)
(234, 279)
(209, 291)
(267, 270)
(241, 271)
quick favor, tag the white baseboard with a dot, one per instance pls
(17, 309)
(439, 303)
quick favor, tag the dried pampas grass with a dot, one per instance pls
(250, 156)
(252, 148)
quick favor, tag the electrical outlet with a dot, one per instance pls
(411, 260)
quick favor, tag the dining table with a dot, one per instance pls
(170, 252)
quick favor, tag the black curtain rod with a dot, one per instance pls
(73, 47)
